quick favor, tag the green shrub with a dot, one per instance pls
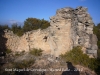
(24, 64)
(5, 73)
(98, 53)
(29, 25)
(8, 51)
(36, 52)
(17, 54)
(98, 43)
(76, 56)
(93, 63)
(19, 33)
(34, 24)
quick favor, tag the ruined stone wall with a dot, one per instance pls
(69, 28)
(30, 40)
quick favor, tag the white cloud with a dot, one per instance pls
(15, 21)
(12, 21)
(82, 0)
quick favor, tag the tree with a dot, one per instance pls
(34, 23)
(44, 24)
(17, 29)
(96, 31)
(3, 27)
(31, 24)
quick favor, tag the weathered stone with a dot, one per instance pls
(93, 41)
(92, 51)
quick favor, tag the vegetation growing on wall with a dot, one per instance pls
(8, 51)
(24, 64)
(36, 52)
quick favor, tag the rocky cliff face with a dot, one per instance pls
(69, 28)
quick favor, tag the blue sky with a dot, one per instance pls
(16, 11)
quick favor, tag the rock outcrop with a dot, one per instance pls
(43, 65)
(69, 28)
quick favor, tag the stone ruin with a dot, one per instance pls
(69, 28)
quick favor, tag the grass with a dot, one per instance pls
(36, 52)
(24, 64)
(76, 56)
(8, 51)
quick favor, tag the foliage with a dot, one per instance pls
(98, 53)
(17, 29)
(36, 52)
(23, 64)
(29, 24)
(7, 73)
(98, 43)
(44, 24)
(3, 27)
(34, 23)
(96, 31)
(76, 56)
(95, 65)
(8, 51)
(17, 54)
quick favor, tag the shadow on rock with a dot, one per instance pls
(3, 47)
(3, 41)
(71, 70)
